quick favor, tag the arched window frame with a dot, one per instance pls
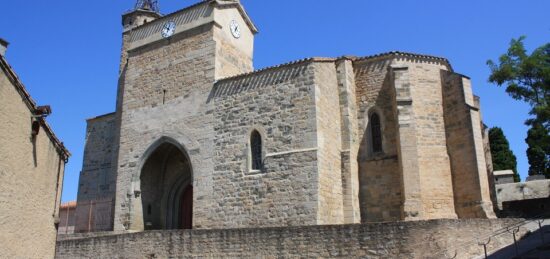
(256, 153)
(376, 133)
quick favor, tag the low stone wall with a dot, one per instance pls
(415, 239)
(522, 191)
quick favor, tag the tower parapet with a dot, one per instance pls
(150, 5)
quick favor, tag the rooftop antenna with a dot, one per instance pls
(147, 5)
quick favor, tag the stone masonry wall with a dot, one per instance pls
(231, 60)
(233, 55)
(166, 89)
(350, 139)
(278, 103)
(488, 156)
(97, 182)
(418, 239)
(465, 145)
(329, 142)
(31, 176)
(433, 161)
(379, 174)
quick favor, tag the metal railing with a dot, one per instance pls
(482, 241)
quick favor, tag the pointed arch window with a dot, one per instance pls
(256, 150)
(376, 133)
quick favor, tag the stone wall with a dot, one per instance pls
(97, 182)
(350, 137)
(379, 173)
(329, 143)
(433, 160)
(465, 145)
(419, 239)
(166, 90)
(31, 173)
(233, 55)
(279, 103)
(522, 191)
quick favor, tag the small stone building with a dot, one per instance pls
(32, 163)
(504, 176)
(200, 139)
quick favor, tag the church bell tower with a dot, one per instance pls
(144, 11)
(168, 71)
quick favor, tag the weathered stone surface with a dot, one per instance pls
(97, 182)
(522, 191)
(465, 147)
(419, 239)
(31, 174)
(196, 91)
(379, 173)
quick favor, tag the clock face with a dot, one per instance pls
(235, 29)
(168, 29)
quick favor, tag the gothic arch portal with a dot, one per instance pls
(166, 187)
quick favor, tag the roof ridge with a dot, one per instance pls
(286, 64)
(202, 2)
(348, 57)
(241, 10)
(406, 54)
(101, 116)
(162, 16)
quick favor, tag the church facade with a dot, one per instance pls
(199, 139)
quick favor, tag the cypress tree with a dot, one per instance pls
(503, 157)
(538, 152)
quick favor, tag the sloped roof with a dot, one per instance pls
(221, 3)
(31, 104)
(391, 54)
(241, 9)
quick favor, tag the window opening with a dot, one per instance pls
(256, 150)
(376, 133)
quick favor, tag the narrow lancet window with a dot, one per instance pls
(376, 133)
(256, 150)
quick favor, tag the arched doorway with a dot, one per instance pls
(166, 189)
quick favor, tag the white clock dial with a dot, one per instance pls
(235, 29)
(168, 29)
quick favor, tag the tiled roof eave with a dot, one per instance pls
(31, 104)
(397, 54)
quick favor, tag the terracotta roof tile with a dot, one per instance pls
(70, 205)
(353, 58)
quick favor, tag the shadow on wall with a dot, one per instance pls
(379, 175)
(35, 127)
(530, 208)
(532, 245)
(166, 191)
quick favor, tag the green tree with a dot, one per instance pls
(503, 157)
(527, 78)
(538, 152)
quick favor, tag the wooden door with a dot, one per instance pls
(186, 209)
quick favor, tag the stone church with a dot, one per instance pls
(200, 139)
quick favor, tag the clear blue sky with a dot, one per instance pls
(67, 52)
